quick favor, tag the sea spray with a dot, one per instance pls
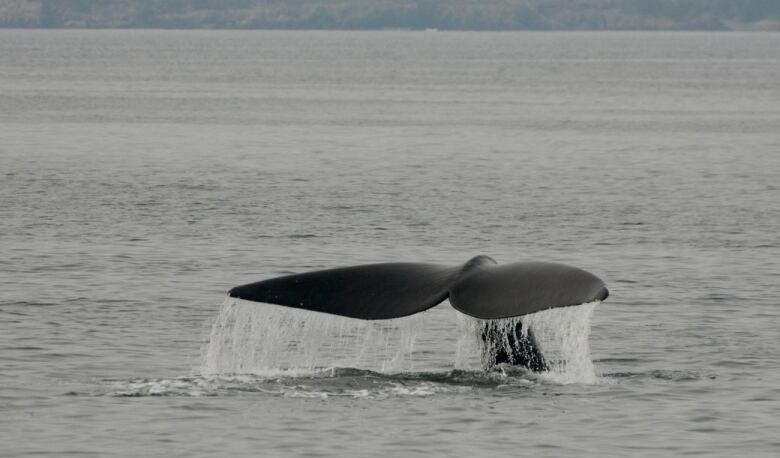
(263, 339)
(562, 335)
(469, 349)
(254, 338)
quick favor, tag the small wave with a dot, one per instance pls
(288, 387)
(302, 236)
(322, 384)
(669, 375)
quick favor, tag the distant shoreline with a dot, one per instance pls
(214, 29)
(443, 15)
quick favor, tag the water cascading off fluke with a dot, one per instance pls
(252, 338)
(262, 339)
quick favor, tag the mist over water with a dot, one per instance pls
(145, 173)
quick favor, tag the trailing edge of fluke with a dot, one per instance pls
(480, 288)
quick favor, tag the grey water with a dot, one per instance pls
(144, 173)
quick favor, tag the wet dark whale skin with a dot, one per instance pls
(368, 292)
(488, 290)
(520, 348)
(480, 288)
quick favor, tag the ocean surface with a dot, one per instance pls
(144, 173)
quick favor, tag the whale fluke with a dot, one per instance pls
(480, 288)
(369, 292)
(492, 291)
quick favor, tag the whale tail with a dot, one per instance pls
(479, 288)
